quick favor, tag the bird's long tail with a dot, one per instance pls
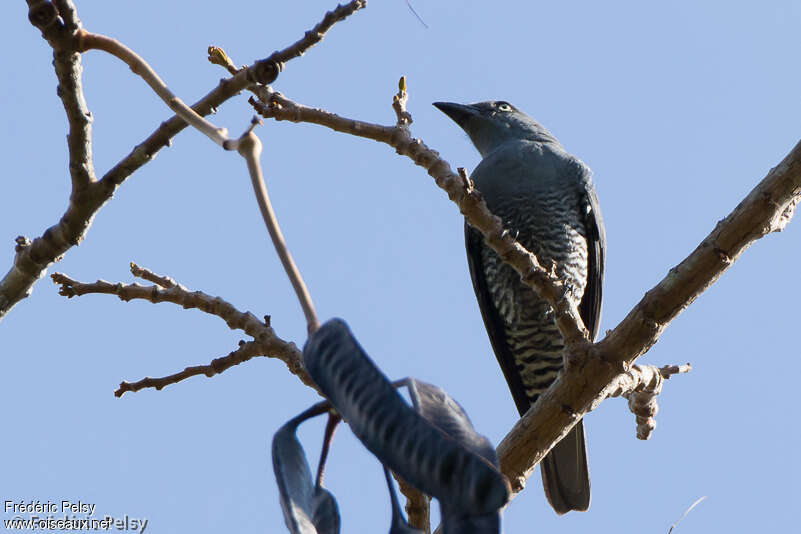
(565, 475)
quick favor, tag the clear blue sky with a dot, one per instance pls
(679, 110)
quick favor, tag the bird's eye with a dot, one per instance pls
(504, 106)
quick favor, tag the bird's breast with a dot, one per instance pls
(551, 227)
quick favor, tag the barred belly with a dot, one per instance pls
(530, 329)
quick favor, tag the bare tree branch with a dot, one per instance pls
(61, 27)
(146, 274)
(248, 145)
(245, 352)
(67, 64)
(316, 34)
(250, 150)
(265, 341)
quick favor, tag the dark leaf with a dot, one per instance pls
(442, 411)
(307, 509)
(325, 511)
(405, 442)
(330, 428)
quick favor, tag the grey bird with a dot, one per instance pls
(545, 197)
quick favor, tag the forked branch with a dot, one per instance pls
(61, 28)
(264, 341)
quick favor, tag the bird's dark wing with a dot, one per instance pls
(590, 305)
(474, 241)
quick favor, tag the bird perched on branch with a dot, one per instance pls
(545, 197)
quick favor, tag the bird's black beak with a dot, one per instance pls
(460, 113)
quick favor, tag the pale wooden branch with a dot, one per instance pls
(265, 341)
(95, 41)
(67, 64)
(60, 26)
(250, 149)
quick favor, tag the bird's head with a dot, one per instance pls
(491, 124)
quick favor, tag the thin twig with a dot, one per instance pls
(245, 352)
(409, 5)
(263, 335)
(250, 149)
(330, 427)
(316, 34)
(146, 274)
(687, 511)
